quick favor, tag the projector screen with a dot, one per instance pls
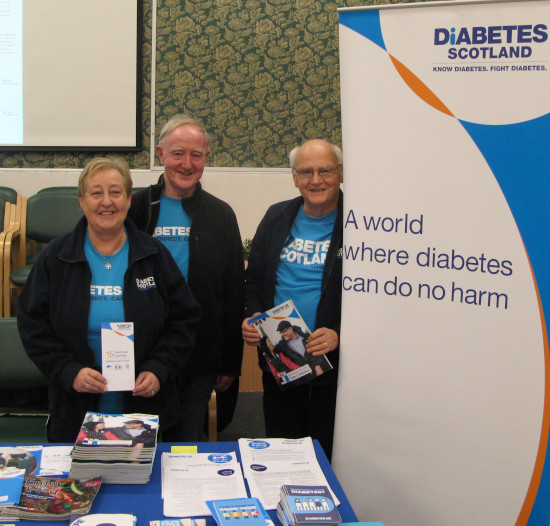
(69, 74)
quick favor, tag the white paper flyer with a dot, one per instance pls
(117, 352)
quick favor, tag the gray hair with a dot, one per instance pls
(180, 120)
(335, 148)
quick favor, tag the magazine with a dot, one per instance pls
(117, 432)
(284, 335)
(44, 498)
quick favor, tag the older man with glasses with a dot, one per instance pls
(297, 254)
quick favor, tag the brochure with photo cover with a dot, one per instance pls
(284, 335)
(26, 458)
(116, 433)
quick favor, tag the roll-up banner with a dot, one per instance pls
(443, 401)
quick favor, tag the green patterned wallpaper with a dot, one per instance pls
(261, 74)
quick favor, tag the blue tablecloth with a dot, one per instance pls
(144, 500)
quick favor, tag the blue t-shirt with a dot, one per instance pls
(173, 229)
(302, 262)
(106, 294)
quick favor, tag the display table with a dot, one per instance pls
(145, 501)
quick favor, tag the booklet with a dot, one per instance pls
(11, 482)
(308, 505)
(117, 355)
(284, 335)
(239, 512)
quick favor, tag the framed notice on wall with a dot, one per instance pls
(70, 74)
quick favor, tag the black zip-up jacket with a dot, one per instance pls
(216, 275)
(52, 316)
(263, 261)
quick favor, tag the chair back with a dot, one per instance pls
(2, 211)
(50, 214)
(17, 371)
(71, 190)
(9, 194)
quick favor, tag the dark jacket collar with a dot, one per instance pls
(293, 206)
(190, 204)
(140, 245)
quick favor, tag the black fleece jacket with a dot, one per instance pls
(216, 275)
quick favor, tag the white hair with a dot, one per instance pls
(336, 149)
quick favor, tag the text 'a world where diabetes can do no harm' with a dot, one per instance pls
(459, 264)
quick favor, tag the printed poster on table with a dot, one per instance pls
(446, 281)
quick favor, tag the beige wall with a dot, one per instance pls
(249, 191)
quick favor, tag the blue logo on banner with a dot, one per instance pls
(484, 42)
(366, 23)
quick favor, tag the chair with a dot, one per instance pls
(8, 194)
(45, 216)
(18, 374)
(9, 253)
(212, 418)
(2, 237)
(2, 210)
(72, 190)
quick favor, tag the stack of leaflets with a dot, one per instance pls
(120, 448)
(239, 512)
(300, 505)
(44, 498)
(284, 335)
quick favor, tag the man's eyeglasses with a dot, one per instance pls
(324, 173)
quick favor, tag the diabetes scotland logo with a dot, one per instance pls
(491, 42)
